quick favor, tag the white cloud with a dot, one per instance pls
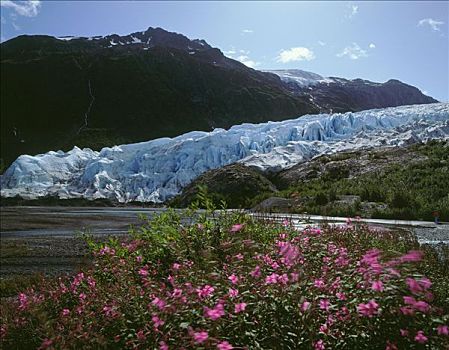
(247, 31)
(372, 46)
(354, 52)
(29, 8)
(243, 57)
(321, 43)
(230, 53)
(352, 11)
(434, 24)
(247, 61)
(295, 54)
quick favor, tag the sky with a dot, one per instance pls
(377, 40)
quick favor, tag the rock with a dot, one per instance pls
(236, 184)
(274, 204)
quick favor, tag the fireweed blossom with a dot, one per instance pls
(378, 286)
(215, 313)
(206, 291)
(369, 309)
(200, 337)
(233, 292)
(239, 307)
(233, 278)
(420, 337)
(272, 279)
(236, 228)
(224, 345)
(443, 330)
(305, 306)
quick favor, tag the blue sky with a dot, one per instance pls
(370, 40)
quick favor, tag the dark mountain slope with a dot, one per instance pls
(342, 95)
(99, 91)
(59, 93)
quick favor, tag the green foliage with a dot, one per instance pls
(411, 191)
(161, 273)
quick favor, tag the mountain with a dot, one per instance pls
(157, 170)
(61, 92)
(341, 95)
(105, 90)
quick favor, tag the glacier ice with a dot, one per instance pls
(156, 170)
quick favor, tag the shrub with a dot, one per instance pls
(225, 281)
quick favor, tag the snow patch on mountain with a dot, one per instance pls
(156, 170)
(300, 77)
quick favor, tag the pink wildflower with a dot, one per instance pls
(239, 307)
(378, 286)
(143, 272)
(319, 345)
(215, 313)
(425, 283)
(324, 328)
(443, 330)
(206, 291)
(163, 345)
(256, 272)
(139, 259)
(294, 277)
(272, 279)
(176, 266)
(233, 278)
(157, 321)
(341, 296)
(200, 337)
(65, 312)
(239, 256)
(233, 292)
(407, 310)
(290, 253)
(369, 309)
(391, 346)
(283, 279)
(46, 344)
(420, 337)
(158, 302)
(404, 332)
(23, 301)
(409, 300)
(319, 283)
(324, 304)
(224, 345)
(177, 292)
(412, 256)
(141, 335)
(109, 311)
(305, 306)
(422, 306)
(413, 285)
(236, 228)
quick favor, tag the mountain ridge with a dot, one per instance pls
(98, 91)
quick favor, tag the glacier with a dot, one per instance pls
(157, 170)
